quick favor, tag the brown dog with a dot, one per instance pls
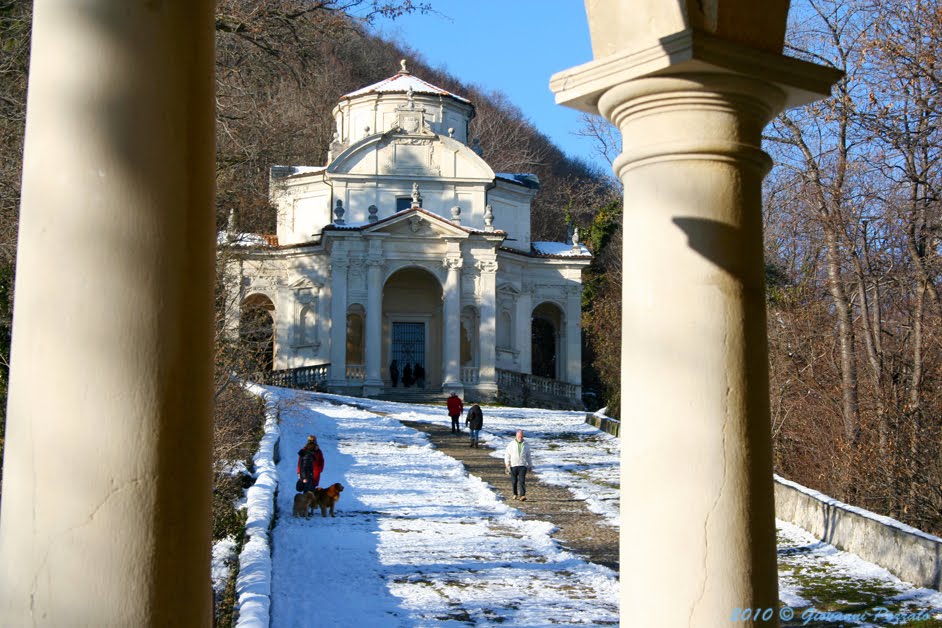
(325, 498)
(303, 504)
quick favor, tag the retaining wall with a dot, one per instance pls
(908, 553)
(612, 426)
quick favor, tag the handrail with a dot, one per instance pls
(303, 377)
(519, 382)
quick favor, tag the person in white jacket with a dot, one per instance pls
(517, 461)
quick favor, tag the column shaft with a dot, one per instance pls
(574, 337)
(523, 340)
(452, 324)
(338, 321)
(487, 335)
(106, 516)
(694, 358)
(374, 324)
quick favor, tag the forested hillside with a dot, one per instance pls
(852, 250)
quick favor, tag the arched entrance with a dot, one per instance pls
(257, 330)
(412, 327)
(545, 336)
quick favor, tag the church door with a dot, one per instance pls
(408, 348)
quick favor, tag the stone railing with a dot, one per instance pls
(470, 375)
(303, 377)
(523, 388)
(356, 372)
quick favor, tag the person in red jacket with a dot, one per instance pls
(454, 411)
(310, 465)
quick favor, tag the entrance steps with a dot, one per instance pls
(428, 396)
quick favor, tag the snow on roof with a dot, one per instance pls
(402, 82)
(559, 249)
(527, 179)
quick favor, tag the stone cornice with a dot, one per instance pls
(689, 51)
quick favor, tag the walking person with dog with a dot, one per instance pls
(517, 461)
(310, 465)
(474, 421)
(455, 408)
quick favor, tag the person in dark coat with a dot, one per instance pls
(419, 374)
(475, 421)
(407, 375)
(310, 465)
(394, 373)
(455, 407)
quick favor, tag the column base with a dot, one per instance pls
(373, 387)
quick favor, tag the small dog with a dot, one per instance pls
(325, 498)
(304, 504)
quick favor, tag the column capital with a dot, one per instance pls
(688, 52)
(452, 263)
(486, 266)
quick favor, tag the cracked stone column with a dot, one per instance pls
(106, 513)
(691, 98)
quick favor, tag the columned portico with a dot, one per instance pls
(451, 337)
(691, 106)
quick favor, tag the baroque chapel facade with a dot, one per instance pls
(408, 248)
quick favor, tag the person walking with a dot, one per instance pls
(474, 421)
(517, 461)
(310, 465)
(455, 408)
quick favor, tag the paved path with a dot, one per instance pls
(580, 531)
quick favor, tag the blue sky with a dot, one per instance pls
(513, 46)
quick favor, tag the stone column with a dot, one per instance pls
(697, 468)
(337, 378)
(451, 323)
(374, 325)
(524, 330)
(106, 511)
(487, 334)
(574, 339)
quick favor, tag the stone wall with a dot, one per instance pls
(908, 553)
(612, 426)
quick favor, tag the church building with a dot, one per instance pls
(407, 261)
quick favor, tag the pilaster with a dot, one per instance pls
(487, 334)
(339, 264)
(451, 354)
(374, 322)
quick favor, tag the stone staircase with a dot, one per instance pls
(429, 396)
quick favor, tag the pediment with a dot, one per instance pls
(508, 289)
(305, 283)
(417, 223)
(409, 153)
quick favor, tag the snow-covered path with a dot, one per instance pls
(416, 541)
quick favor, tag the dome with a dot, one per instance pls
(380, 107)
